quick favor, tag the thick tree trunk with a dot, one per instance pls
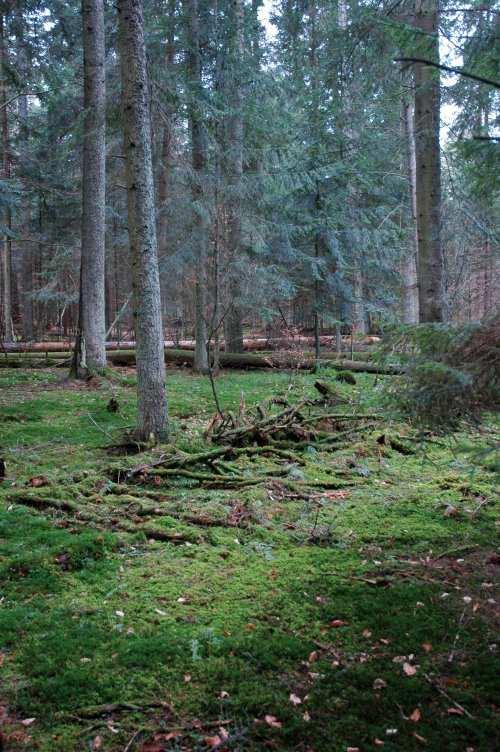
(152, 407)
(428, 167)
(91, 351)
(5, 243)
(233, 323)
(199, 161)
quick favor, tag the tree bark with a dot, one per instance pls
(199, 161)
(357, 303)
(233, 323)
(428, 168)
(152, 407)
(409, 266)
(91, 350)
(167, 141)
(6, 245)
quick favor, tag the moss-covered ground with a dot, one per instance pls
(322, 622)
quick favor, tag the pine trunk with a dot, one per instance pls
(428, 167)
(152, 408)
(199, 161)
(409, 266)
(91, 352)
(167, 141)
(233, 324)
(6, 246)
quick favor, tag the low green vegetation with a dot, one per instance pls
(359, 617)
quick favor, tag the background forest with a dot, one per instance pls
(284, 153)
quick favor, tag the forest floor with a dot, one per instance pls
(324, 621)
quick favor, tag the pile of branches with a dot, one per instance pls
(282, 425)
(451, 374)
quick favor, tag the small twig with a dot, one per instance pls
(447, 696)
(106, 433)
(449, 69)
(452, 651)
(132, 740)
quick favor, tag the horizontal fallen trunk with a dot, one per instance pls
(241, 361)
(249, 344)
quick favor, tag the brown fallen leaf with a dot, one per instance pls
(415, 716)
(272, 721)
(379, 684)
(455, 711)
(38, 481)
(408, 669)
(97, 742)
(427, 647)
(212, 741)
(313, 657)
(336, 623)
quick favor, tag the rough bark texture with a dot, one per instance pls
(357, 306)
(409, 267)
(6, 249)
(152, 407)
(167, 142)
(428, 167)
(233, 323)
(199, 160)
(26, 266)
(91, 354)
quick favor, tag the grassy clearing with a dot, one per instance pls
(317, 623)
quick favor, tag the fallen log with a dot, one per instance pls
(241, 361)
(249, 344)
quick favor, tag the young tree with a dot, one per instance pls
(152, 407)
(6, 246)
(90, 349)
(199, 162)
(233, 326)
(409, 262)
(428, 166)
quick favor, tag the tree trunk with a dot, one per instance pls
(26, 265)
(357, 303)
(233, 324)
(167, 140)
(6, 246)
(409, 266)
(91, 351)
(152, 407)
(199, 161)
(428, 167)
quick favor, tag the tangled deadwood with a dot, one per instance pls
(282, 425)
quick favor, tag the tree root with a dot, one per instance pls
(110, 522)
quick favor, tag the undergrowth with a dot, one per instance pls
(353, 619)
